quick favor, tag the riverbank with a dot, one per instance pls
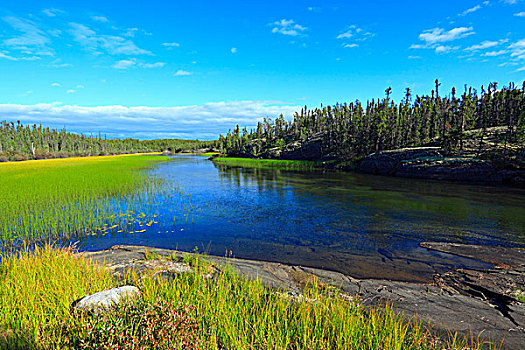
(485, 303)
(486, 157)
(209, 302)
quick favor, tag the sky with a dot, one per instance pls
(194, 69)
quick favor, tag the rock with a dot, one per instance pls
(433, 163)
(108, 299)
(448, 309)
(310, 149)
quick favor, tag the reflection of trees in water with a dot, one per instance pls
(405, 208)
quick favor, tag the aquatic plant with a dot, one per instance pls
(267, 163)
(67, 198)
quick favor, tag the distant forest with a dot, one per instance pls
(354, 130)
(19, 142)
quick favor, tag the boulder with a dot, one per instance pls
(106, 300)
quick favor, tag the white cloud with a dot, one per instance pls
(153, 65)
(439, 35)
(352, 34)
(32, 40)
(233, 50)
(56, 85)
(79, 86)
(71, 91)
(125, 64)
(483, 45)
(171, 44)
(517, 50)
(288, 27)
(494, 53)
(24, 58)
(520, 14)
(182, 73)
(414, 57)
(114, 45)
(133, 63)
(434, 39)
(59, 64)
(199, 121)
(470, 10)
(99, 19)
(52, 12)
(441, 49)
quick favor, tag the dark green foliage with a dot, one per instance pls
(352, 131)
(19, 142)
(143, 325)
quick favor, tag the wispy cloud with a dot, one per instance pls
(474, 8)
(100, 19)
(517, 50)
(112, 44)
(200, 121)
(436, 37)
(182, 73)
(439, 35)
(125, 64)
(56, 85)
(31, 41)
(353, 34)
(25, 58)
(52, 12)
(233, 50)
(470, 10)
(171, 44)
(520, 14)
(485, 45)
(288, 27)
(152, 65)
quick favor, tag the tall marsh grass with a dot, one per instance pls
(267, 163)
(230, 312)
(64, 198)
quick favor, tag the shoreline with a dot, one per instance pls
(471, 302)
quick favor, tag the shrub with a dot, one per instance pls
(139, 325)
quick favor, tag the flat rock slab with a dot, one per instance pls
(502, 257)
(103, 301)
(446, 309)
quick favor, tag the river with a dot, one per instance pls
(361, 225)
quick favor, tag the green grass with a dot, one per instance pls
(267, 163)
(62, 198)
(36, 289)
(208, 154)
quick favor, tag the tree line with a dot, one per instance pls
(23, 142)
(354, 130)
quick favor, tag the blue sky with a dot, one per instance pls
(193, 69)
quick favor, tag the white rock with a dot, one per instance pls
(107, 299)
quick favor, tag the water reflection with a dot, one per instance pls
(365, 226)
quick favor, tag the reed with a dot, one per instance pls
(267, 163)
(64, 198)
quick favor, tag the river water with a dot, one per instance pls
(361, 225)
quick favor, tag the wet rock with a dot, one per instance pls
(106, 300)
(448, 309)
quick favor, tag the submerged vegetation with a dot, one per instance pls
(219, 310)
(19, 142)
(353, 130)
(65, 198)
